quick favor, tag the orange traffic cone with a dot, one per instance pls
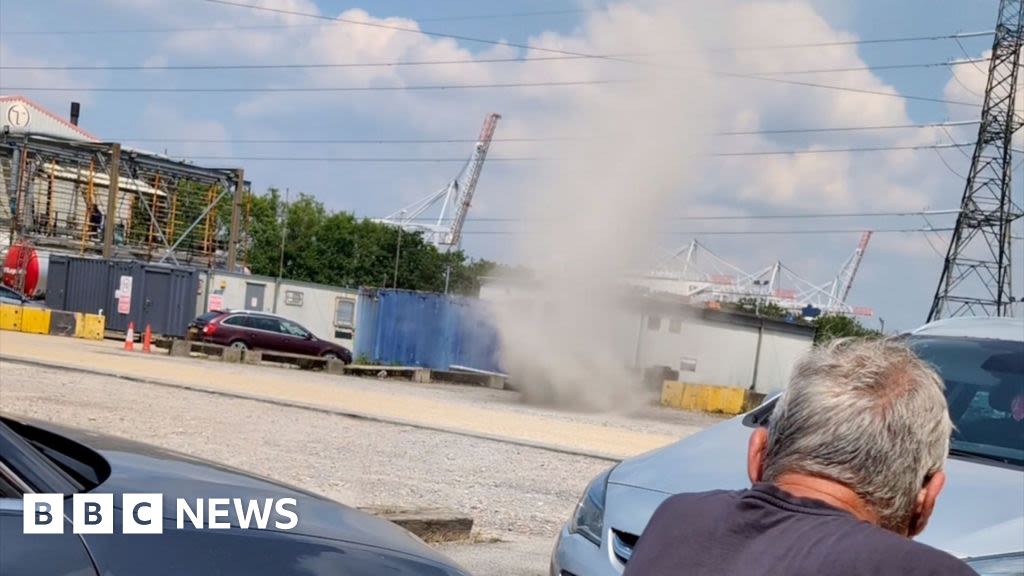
(147, 340)
(129, 337)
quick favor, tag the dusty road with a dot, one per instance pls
(518, 495)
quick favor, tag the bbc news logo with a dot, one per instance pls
(144, 513)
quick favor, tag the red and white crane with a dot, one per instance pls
(446, 231)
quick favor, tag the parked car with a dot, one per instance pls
(259, 331)
(195, 327)
(11, 296)
(328, 538)
(979, 516)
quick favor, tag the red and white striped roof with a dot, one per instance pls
(20, 115)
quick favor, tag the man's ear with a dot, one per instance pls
(756, 448)
(925, 503)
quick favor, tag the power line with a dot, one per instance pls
(442, 87)
(819, 232)
(463, 61)
(434, 160)
(530, 47)
(848, 128)
(108, 31)
(365, 141)
(798, 216)
(862, 149)
(260, 90)
(566, 12)
(900, 39)
(858, 42)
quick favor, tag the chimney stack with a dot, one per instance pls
(75, 111)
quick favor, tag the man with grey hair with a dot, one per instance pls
(846, 473)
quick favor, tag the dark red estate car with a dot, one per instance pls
(256, 331)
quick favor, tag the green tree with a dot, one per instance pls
(830, 327)
(341, 250)
(762, 308)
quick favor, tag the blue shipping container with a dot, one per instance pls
(423, 329)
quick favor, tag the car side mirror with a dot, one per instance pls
(309, 336)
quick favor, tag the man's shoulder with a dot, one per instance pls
(892, 550)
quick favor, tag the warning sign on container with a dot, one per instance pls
(215, 302)
(124, 295)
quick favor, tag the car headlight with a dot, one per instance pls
(588, 519)
(1003, 565)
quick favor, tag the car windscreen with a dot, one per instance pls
(984, 389)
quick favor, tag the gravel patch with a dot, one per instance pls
(506, 488)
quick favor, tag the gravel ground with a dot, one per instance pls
(519, 496)
(649, 419)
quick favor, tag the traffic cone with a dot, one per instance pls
(129, 337)
(147, 340)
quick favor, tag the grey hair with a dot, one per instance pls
(868, 414)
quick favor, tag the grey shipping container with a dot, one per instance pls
(163, 297)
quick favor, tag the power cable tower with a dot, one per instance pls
(976, 278)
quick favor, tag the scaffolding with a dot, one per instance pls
(55, 194)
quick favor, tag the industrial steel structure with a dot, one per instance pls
(455, 199)
(706, 277)
(63, 191)
(976, 275)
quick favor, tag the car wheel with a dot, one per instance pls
(240, 345)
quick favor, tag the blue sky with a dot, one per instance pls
(899, 272)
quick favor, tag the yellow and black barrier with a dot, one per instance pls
(32, 320)
(708, 398)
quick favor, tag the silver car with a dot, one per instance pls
(980, 513)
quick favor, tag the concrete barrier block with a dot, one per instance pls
(421, 375)
(90, 326)
(336, 367)
(233, 355)
(181, 348)
(10, 317)
(496, 382)
(705, 398)
(672, 394)
(35, 320)
(252, 357)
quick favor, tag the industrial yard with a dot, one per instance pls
(475, 290)
(363, 460)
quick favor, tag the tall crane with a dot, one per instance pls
(844, 280)
(976, 279)
(446, 232)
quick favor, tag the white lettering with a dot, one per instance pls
(253, 510)
(185, 510)
(279, 506)
(218, 509)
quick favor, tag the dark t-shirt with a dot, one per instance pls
(765, 530)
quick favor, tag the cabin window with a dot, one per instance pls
(292, 298)
(344, 312)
